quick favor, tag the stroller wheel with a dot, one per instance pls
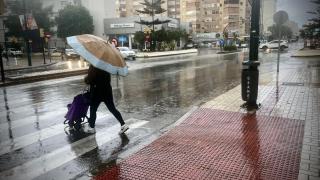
(77, 125)
(71, 125)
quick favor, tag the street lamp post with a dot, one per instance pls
(250, 72)
(3, 49)
(28, 42)
(1, 65)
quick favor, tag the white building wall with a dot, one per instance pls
(100, 10)
(269, 8)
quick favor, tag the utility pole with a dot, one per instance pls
(2, 11)
(26, 34)
(250, 72)
(152, 34)
(1, 65)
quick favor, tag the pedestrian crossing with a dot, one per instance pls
(47, 162)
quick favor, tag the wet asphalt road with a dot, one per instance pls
(157, 92)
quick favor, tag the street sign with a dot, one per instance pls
(280, 17)
(123, 38)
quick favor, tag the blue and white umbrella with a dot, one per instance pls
(99, 53)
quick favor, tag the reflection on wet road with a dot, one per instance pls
(154, 95)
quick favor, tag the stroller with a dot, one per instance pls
(77, 110)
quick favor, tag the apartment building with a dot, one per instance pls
(173, 8)
(128, 8)
(216, 15)
(204, 15)
(236, 16)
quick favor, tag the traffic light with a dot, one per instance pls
(41, 32)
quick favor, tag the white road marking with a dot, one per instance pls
(22, 141)
(31, 120)
(19, 142)
(48, 162)
(42, 118)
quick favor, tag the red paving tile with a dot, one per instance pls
(215, 144)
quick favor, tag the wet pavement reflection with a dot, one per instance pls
(251, 144)
(158, 91)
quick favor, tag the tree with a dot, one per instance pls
(152, 8)
(41, 15)
(74, 20)
(284, 31)
(312, 28)
(139, 38)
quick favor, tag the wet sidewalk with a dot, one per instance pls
(220, 140)
(18, 71)
(18, 63)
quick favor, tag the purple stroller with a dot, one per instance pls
(77, 110)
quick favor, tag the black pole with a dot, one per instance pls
(1, 65)
(5, 43)
(250, 72)
(43, 54)
(25, 31)
(152, 34)
(255, 30)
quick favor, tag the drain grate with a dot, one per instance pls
(292, 84)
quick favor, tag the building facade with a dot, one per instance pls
(128, 8)
(204, 15)
(236, 16)
(173, 8)
(124, 28)
(216, 15)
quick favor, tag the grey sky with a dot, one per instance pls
(296, 9)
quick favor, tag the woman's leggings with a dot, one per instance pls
(107, 98)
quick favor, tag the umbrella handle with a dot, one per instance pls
(86, 89)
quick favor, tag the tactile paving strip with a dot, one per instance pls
(214, 144)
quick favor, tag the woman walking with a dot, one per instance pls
(101, 91)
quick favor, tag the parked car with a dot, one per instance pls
(70, 53)
(274, 45)
(242, 45)
(52, 50)
(190, 45)
(13, 52)
(127, 53)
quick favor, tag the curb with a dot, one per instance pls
(316, 55)
(161, 55)
(228, 52)
(28, 79)
(32, 67)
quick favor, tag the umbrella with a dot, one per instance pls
(99, 53)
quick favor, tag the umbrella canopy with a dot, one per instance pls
(99, 53)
